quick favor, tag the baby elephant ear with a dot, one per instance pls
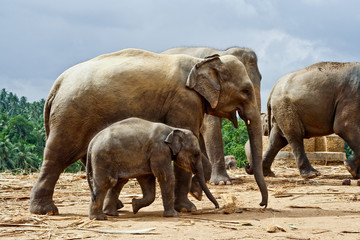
(174, 141)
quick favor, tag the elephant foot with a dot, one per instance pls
(111, 207)
(42, 208)
(98, 216)
(135, 205)
(268, 173)
(119, 204)
(354, 170)
(195, 189)
(220, 179)
(248, 169)
(309, 174)
(184, 206)
(112, 212)
(171, 213)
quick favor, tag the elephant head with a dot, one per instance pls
(227, 88)
(186, 152)
(249, 59)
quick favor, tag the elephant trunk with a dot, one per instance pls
(199, 174)
(254, 127)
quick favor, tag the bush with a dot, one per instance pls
(234, 140)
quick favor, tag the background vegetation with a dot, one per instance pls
(22, 136)
(234, 140)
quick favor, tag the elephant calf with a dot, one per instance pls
(136, 148)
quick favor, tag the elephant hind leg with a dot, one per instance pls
(112, 202)
(54, 163)
(276, 143)
(290, 123)
(305, 168)
(147, 184)
(41, 197)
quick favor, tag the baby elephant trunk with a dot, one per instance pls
(199, 173)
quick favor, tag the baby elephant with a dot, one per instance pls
(136, 148)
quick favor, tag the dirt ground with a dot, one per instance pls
(320, 208)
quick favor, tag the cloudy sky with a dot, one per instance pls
(41, 38)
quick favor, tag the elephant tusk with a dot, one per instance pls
(248, 122)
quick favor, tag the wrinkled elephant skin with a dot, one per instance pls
(211, 129)
(318, 100)
(136, 148)
(174, 89)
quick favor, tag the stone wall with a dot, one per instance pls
(327, 150)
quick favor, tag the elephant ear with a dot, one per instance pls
(174, 141)
(204, 79)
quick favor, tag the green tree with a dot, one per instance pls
(6, 151)
(348, 151)
(22, 134)
(234, 140)
(19, 128)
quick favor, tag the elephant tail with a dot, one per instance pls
(89, 176)
(269, 117)
(48, 104)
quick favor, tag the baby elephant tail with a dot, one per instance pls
(89, 176)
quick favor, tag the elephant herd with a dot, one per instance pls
(144, 115)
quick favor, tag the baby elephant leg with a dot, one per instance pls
(147, 184)
(167, 186)
(96, 207)
(112, 202)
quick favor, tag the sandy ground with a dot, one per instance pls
(320, 208)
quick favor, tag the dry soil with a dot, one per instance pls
(321, 208)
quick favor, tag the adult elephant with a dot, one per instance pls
(211, 129)
(176, 90)
(318, 100)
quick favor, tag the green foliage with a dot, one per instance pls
(234, 140)
(22, 135)
(348, 151)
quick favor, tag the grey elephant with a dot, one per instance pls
(138, 148)
(211, 128)
(318, 100)
(230, 162)
(173, 89)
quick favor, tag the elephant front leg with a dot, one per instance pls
(182, 188)
(147, 184)
(353, 166)
(167, 193)
(211, 131)
(112, 202)
(348, 129)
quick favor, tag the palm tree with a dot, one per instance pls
(6, 152)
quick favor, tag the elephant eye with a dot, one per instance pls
(247, 93)
(196, 154)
